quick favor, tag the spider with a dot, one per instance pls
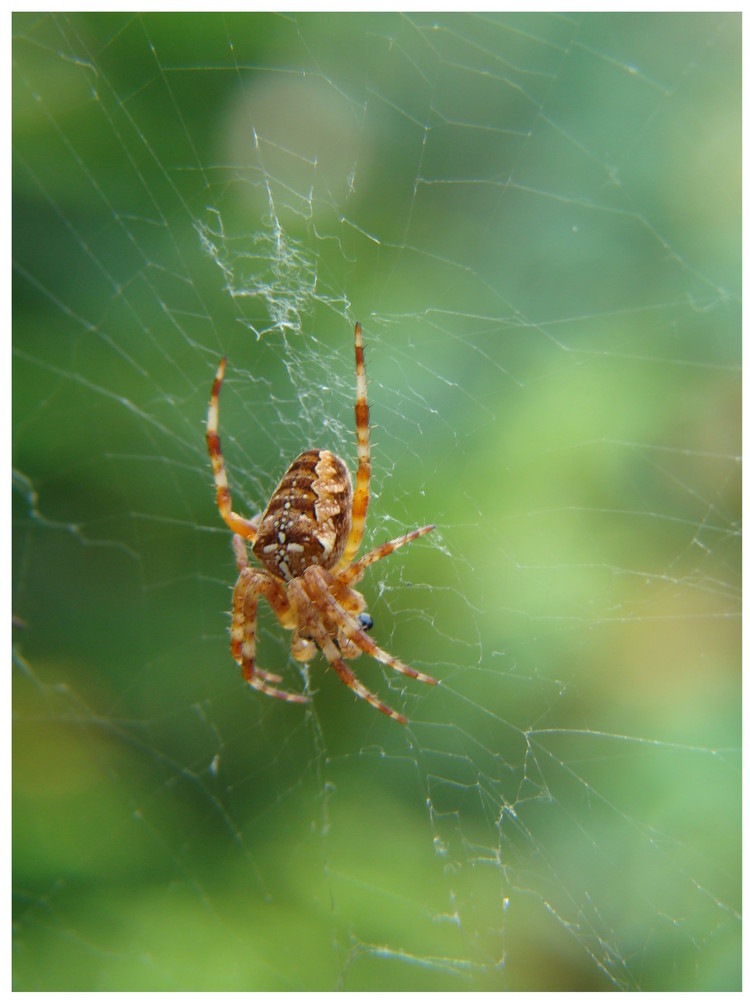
(306, 541)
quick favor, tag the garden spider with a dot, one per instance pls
(306, 541)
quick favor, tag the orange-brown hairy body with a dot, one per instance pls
(308, 518)
(306, 541)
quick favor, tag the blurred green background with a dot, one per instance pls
(537, 220)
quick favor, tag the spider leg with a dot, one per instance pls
(320, 593)
(250, 586)
(348, 676)
(354, 572)
(311, 619)
(240, 551)
(243, 526)
(361, 497)
(365, 643)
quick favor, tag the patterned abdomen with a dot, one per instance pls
(308, 519)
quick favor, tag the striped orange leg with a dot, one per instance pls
(361, 497)
(241, 525)
(320, 594)
(310, 618)
(348, 676)
(252, 584)
(355, 571)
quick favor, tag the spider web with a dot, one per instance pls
(536, 220)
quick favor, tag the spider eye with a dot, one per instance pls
(365, 621)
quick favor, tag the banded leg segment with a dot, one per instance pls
(354, 572)
(311, 619)
(361, 497)
(241, 525)
(348, 676)
(317, 586)
(251, 585)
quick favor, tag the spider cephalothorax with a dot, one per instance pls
(306, 541)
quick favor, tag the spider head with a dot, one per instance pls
(365, 621)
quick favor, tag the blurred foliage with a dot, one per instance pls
(537, 219)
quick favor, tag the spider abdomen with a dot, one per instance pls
(308, 518)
